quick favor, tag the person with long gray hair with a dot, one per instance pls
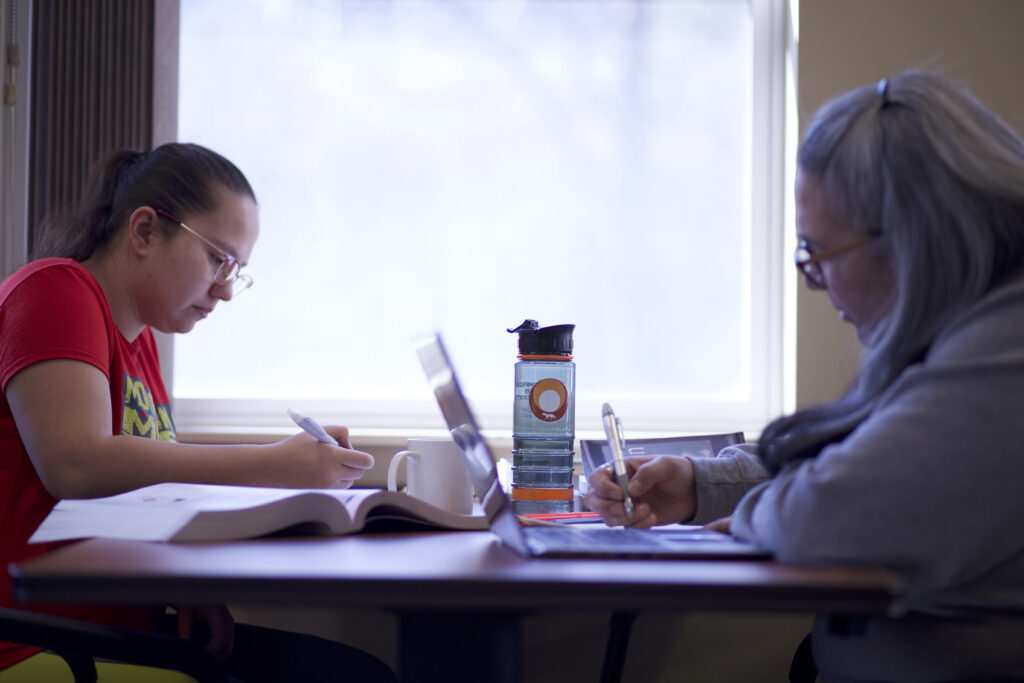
(910, 217)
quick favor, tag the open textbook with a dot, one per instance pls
(204, 512)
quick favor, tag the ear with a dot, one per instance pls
(144, 231)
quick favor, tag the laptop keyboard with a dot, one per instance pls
(570, 537)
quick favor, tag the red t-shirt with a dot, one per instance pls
(55, 308)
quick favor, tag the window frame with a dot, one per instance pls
(771, 302)
(14, 140)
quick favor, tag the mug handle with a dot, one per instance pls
(393, 468)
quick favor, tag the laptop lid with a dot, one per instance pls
(480, 464)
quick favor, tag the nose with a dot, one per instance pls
(224, 292)
(812, 284)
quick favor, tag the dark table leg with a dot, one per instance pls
(617, 647)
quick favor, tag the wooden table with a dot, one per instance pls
(461, 580)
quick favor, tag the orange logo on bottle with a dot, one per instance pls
(548, 400)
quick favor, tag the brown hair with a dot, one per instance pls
(180, 178)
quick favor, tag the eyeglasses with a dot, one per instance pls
(229, 270)
(810, 263)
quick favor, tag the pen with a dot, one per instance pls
(613, 430)
(311, 426)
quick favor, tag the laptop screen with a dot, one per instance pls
(483, 472)
(441, 375)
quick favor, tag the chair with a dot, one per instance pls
(803, 669)
(78, 642)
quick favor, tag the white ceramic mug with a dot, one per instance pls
(435, 473)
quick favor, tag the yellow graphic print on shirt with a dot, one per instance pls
(141, 417)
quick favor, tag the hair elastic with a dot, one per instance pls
(883, 91)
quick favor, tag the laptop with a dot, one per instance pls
(575, 540)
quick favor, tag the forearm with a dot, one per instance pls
(63, 413)
(112, 464)
(720, 482)
(920, 471)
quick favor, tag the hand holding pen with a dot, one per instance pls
(327, 460)
(663, 491)
(613, 430)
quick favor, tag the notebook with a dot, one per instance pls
(576, 540)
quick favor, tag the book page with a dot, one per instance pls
(376, 506)
(197, 512)
(158, 512)
(75, 519)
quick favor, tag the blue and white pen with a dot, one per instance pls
(613, 430)
(312, 427)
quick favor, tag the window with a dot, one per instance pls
(462, 165)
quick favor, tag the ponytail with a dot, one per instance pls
(78, 235)
(179, 178)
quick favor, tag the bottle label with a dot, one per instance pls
(549, 400)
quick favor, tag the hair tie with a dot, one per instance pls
(883, 91)
(139, 157)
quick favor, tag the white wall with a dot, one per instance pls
(846, 43)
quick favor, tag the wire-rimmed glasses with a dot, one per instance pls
(229, 270)
(809, 263)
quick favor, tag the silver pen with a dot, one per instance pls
(613, 430)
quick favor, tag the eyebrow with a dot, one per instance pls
(220, 245)
(209, 241)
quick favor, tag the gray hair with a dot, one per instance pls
(922, 164)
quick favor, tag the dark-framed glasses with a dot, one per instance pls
(229, 270)
(809, 263)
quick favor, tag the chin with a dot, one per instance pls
(174, 328)
(868, 334)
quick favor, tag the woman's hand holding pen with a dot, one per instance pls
(337, 463)
(662, 488)
(311, 463)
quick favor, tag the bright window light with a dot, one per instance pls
(459, 165)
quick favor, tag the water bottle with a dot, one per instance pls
(544, 419)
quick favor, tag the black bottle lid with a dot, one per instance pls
(554, 340)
